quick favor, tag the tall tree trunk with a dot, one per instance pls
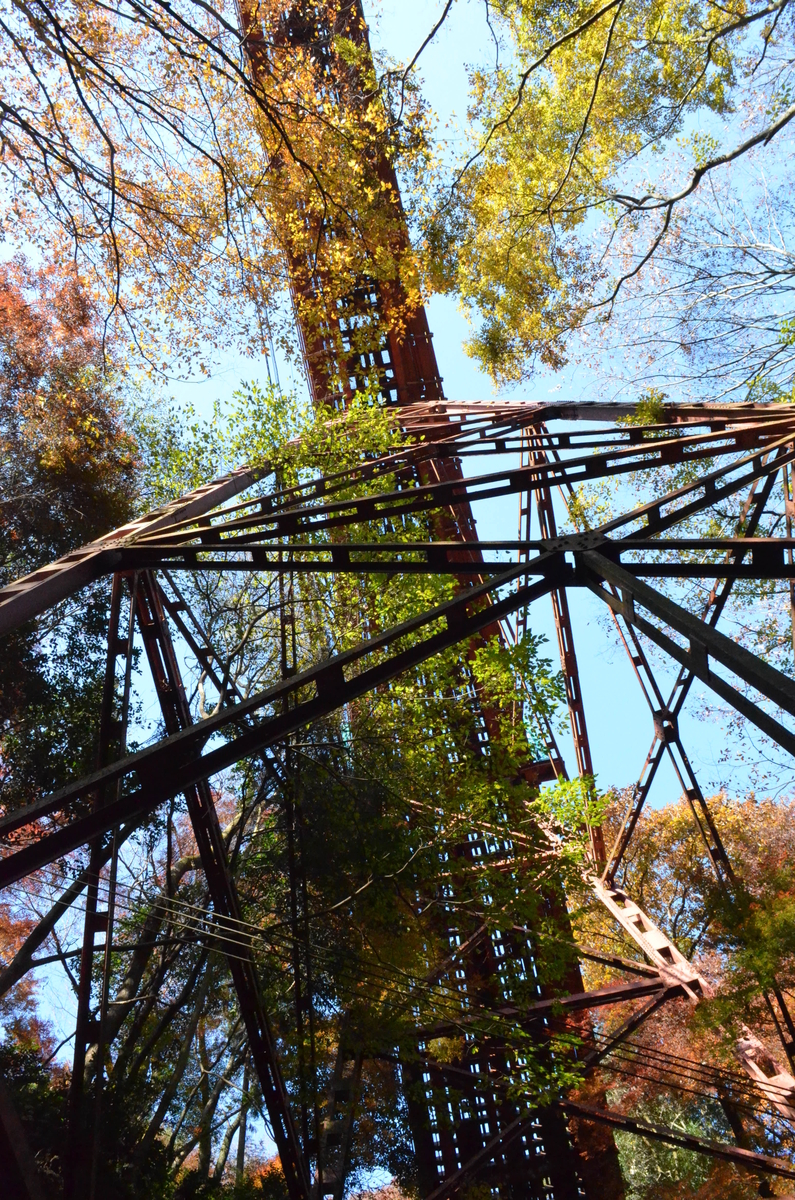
(223, 1153)
(205, 1134)
(241, 1135)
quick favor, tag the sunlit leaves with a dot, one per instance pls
(569, 181)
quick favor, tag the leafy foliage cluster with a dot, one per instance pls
(67, 474)
(622, 197)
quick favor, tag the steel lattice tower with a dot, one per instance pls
(558, 1151)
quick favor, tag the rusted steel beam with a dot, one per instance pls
(338, 562)
(80, 1165)
(704, 642)
(656, 945)
(708, 412)
(446, 493)
(775, 1084)
(560, 610)
(593, 1057)
(565, 634)
(684, 1141)
(177, 762)
(614, 993)
(756, 569)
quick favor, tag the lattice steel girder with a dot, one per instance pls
(310, 519)
(483, 1156)
(171, 538)
(177, 762)
(282, 516)
(452, 558)
(704, 641)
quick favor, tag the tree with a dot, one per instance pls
(573, 145)
(680, 1068)
(67, 474)
(170, 153)
(720, 323)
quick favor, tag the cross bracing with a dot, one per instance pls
(246, 523)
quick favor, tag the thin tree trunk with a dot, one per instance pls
(204, 1128)
(205, 1137)
(176, 1077)
(209, 1110)
(223, 1153)
(167, 1017)
(240, 1166)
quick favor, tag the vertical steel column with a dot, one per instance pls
(789, 513)
(537, 456)
(207, 831)
(287, 639)
(80, 1167)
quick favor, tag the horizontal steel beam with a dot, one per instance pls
(616, 993)
(767, 566)
(689, 570)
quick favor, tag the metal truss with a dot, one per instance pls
(340, 524)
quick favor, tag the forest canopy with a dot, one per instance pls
(178, 185)
(625, 181)
(621, 196)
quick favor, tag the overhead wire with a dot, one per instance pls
(633, 1054)
(225, 935)
(221, 932)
